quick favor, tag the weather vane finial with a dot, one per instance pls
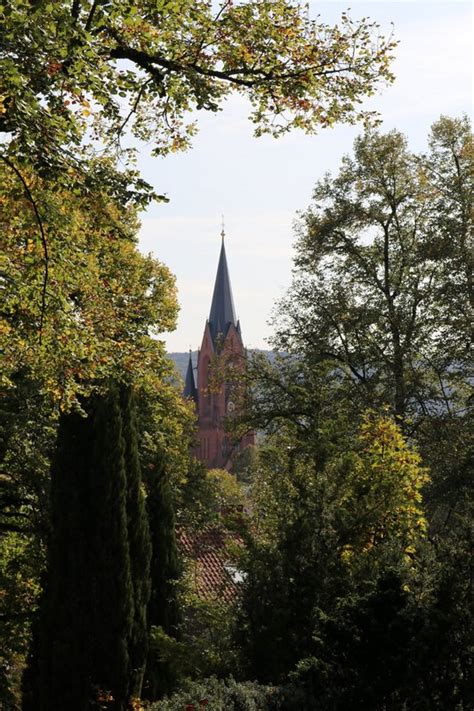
(223, 228)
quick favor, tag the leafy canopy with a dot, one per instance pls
(72, 68)
(383, 274)
(80, 303)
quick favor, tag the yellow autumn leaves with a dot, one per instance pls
(103, 300)
(385, 482)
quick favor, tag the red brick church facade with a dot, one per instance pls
(221, 345)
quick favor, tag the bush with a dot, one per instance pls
(229, 695)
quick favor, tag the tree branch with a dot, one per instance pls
(133, 109)
(91, 16)
(148, 62)
(75, 9)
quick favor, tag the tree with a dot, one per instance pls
(345, 593)
(88, 608)
(448, 168)
(342, 540)
(325, 532)
(86, 314)
(380, 304)
(163, 608)
(111, 63)
(139, 542)
(374, 259)
(78, 300)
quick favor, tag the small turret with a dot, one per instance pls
(190, 390)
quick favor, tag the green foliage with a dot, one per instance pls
(80, 302)
(167, 653)
(380, 491)
(244, 464)
(165, 570)
(190, 637)
(362, 654)
(231, 695)
(353, 544)
(27, 436)
(374, 293)
(209, 635)
(395, 647)
(205, 645)
(87, 633)
(343, 584)
(323, 534)
(213, 497)
(139, 542)
(194, 496)
(64, 74)
(21, 557)
(68, 322)
(227, 497)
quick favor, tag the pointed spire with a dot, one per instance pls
(222, 312)
(190, 389)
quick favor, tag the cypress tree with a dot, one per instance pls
(85, 624)
(109, 577)
(163, 608)
(57, 675)
(139, 542)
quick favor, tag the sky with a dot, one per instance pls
(260, 184)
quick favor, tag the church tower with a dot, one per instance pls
(221, 346)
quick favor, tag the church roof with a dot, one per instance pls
(190, 389)
(222, 313)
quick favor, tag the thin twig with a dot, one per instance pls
(134, 107)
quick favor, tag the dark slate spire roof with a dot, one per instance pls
(190, 389)
(222, 312)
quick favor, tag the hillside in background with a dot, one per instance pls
(180, 361)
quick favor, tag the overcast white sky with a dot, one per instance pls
(261, 184)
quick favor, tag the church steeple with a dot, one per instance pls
(221, 346)
(222, 313)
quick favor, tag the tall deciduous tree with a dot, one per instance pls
(325, 532)
(79, 301)
(377, 316)
(381, 300)
(383, 273)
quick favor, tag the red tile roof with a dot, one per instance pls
(208, 551)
